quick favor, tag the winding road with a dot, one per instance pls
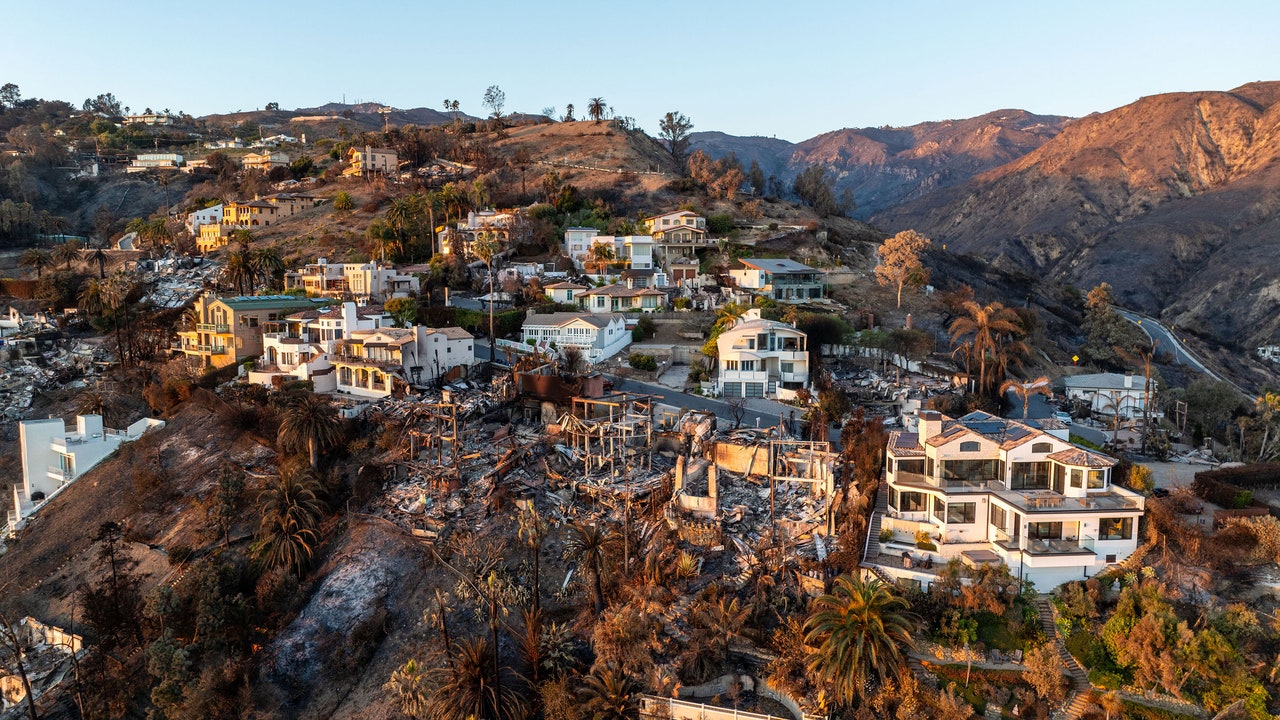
(1167, 340)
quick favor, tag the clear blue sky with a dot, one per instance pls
(791, 69)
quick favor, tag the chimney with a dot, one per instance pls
(930, 424)
(1128, 380)
(907, 324)
(348, 318)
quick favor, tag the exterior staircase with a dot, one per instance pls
(877, 517)
(1081, 689)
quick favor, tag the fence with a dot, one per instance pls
(652, 706)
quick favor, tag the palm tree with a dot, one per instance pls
(92, 298)
(722, 620)
(860, 629)
(468, 689)
(1024, 391)
(68, 252)
(485, 247)
(244, 238)
(310, 422)
(239, 271)
(99, 255)
(115, 297)
(407, 688)
(267, 264)
(35, 258)
(291, 510)
(601, 256)
(589, 546)
(608, 694)
(596, 108)
(984, 325)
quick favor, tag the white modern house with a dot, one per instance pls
(374, 363)
(678, 234)
(369, 280)
(781, 279)
(985, 489)
(1109, 393)
(53, 456)
(298, 347)
(634, 251)
(762, 358)
(577, 243)
(598, 336)
(207, 216)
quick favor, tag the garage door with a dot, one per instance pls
(732, 389)
(755, 390)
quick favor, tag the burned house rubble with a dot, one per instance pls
(729, 496)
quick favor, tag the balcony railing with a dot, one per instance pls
(211, 349)
(1036, 501)
(903, 478)
(213, 328)
(1045, 546)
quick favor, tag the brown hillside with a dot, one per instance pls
(1170, 199)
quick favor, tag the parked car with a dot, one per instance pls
(1064, 417)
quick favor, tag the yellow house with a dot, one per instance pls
(230, 329)
(371, 161)
(250, 213)
(213, 236)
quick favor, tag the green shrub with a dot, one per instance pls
(1106, 679)
(1242, 499)
(640, 361)
(885, 535)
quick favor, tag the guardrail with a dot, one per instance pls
(660, 707)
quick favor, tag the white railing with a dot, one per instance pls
(654, 706)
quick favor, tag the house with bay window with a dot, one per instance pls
(986, 489)
(762, 358)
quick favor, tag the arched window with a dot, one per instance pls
(970, 446)
(1041, 447)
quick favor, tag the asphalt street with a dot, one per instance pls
(1168, 342)
(1038, 407)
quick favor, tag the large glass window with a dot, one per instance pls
(970, 446)
(970, 470)
(1097, 479)
(1044, 530)
(999, 517)
(912, 502)
(939, 509)
(1041, 447)
(1115, 529)
(1077, 478)
(963, 513)
(911, 466)
(1030, 476)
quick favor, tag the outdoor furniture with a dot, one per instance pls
(1017, 656)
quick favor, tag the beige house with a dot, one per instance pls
(374, 363)
(265, 161)
(371, 161)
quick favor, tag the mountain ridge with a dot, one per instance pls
(886, 166)
(1169, 199)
